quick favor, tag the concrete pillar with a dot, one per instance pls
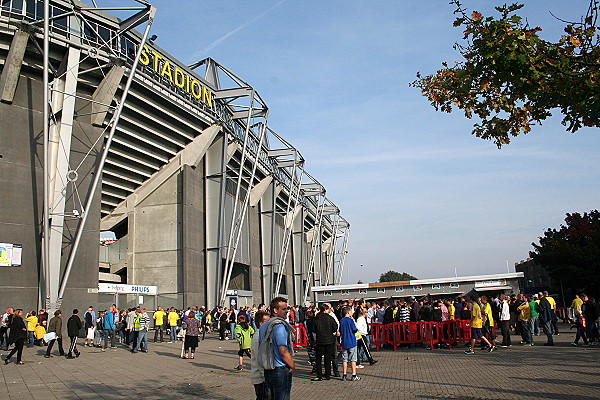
(192, 236)
(104, 94)
(12, 67)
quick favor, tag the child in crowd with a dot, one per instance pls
(243, 333)
(349, 344)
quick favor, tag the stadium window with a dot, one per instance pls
(327, 293)
(380, 290)
(362, 291)
(399, 288)
(454, 285)
(417, 287)
(436, 286)
(345, 291)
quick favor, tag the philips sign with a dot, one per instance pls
(126, 289)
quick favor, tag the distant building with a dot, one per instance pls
(435, 288)
(535, 277)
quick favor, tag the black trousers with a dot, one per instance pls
(61, 351)
(4, 336)
(157, 329)
(73, 346)
(505, 329)
(262, 392)
(327, 350)
(17, 349)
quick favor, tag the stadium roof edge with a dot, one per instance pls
(512, 275)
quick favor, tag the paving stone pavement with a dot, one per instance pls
(561, 372)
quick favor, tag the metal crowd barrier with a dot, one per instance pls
(563, 314)
(400, 333)
(430, 333)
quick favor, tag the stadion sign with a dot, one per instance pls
(126, 289)
(166, 69)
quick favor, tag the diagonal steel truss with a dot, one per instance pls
(60, 175)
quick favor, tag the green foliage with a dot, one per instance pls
(571, 254)
(394, 276)
(511, 79)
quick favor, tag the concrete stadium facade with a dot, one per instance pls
(205, 200)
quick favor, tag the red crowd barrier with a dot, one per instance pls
(563, 314)
(431, 333)
(300, 337)
(378, 335)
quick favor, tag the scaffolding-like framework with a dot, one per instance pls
(113, 50)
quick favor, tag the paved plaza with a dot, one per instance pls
(538, 372)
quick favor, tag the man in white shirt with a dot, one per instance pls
(503, 310)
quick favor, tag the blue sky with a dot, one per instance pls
(421, 194)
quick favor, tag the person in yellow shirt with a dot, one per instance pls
(524, 316)
(159, 324)
(575, 310)
(451, 310)
(477, 327)
(32, 322)
(576, 303)
(488, 320)
(173, 317)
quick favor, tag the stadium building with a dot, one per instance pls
(198, 200)
(456, 286)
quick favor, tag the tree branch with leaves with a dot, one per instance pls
(511, 79)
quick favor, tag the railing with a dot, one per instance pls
(401, 333)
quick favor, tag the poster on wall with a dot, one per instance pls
(17, 250)
(6, 254)
(10, 255)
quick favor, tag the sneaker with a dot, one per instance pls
(574, 344)
(239, 368)
(503, 346)
(360, 366)
(316, 379)
(374, 362)
(493, 348)
(344, 377)
(469, 351)
(355, 378)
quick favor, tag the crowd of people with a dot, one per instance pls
(265, 335)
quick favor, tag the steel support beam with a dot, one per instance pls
(113, 125)
(60, 172)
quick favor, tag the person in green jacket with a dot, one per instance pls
(243, 333)
(534, 305)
